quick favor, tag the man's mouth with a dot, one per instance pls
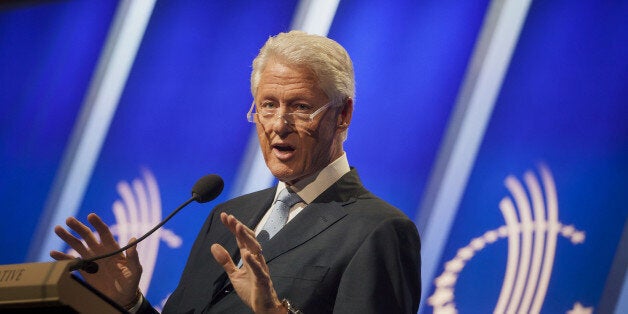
(283, 147)
(283, 151)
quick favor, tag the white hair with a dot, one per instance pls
(329, 61)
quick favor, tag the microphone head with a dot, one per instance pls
(207, 188)
(90, 267)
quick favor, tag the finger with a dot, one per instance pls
(229, 221)
(248, 230)
(232, 224)
(246, 236)
(72, 241)
(257, 265)
(106, 237)
(60, 256)
(222, 257)
(259, 258)
(84, 231)
(133, 258)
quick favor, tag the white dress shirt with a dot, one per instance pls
(310, 187)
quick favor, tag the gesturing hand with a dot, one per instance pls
(118, 276)
(252, 282)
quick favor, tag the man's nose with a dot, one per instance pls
(281, 123)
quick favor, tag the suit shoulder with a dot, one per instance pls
(369, 206)
(254, 197)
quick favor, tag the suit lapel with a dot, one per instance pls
(323, 212)
(314, 219)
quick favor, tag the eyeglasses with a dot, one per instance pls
(303, 117)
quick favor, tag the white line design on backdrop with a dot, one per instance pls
(137, 211)
(532, 238)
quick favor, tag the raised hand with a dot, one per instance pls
(252, 282)
(118, 276)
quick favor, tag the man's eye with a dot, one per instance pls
(303, 107)
(269, 105)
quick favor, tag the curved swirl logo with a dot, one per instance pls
(531, 228)
(136, 211)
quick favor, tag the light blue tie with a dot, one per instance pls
(278, 215)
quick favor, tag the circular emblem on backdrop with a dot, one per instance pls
(137, 211)
(532, 228)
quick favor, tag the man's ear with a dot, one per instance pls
(344, 118)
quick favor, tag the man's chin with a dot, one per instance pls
(288, 175)
(282, 172)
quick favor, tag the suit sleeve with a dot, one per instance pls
(146, 308)
(384, 275)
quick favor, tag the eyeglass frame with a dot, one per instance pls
(310, 117)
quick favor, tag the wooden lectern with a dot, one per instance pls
(49, 288)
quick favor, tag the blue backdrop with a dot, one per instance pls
(562, 107)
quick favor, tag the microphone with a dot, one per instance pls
(204, 190)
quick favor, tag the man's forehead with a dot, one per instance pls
(288, 80)
(280, 67)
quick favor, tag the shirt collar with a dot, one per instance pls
(310, 187)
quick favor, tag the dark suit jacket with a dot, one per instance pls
(346, 252)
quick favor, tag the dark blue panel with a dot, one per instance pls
(47, 55)
(409, 60)
(563, 104)
(182, 113)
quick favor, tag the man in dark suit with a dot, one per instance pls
(317, 242)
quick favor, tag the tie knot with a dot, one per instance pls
(288, 197)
